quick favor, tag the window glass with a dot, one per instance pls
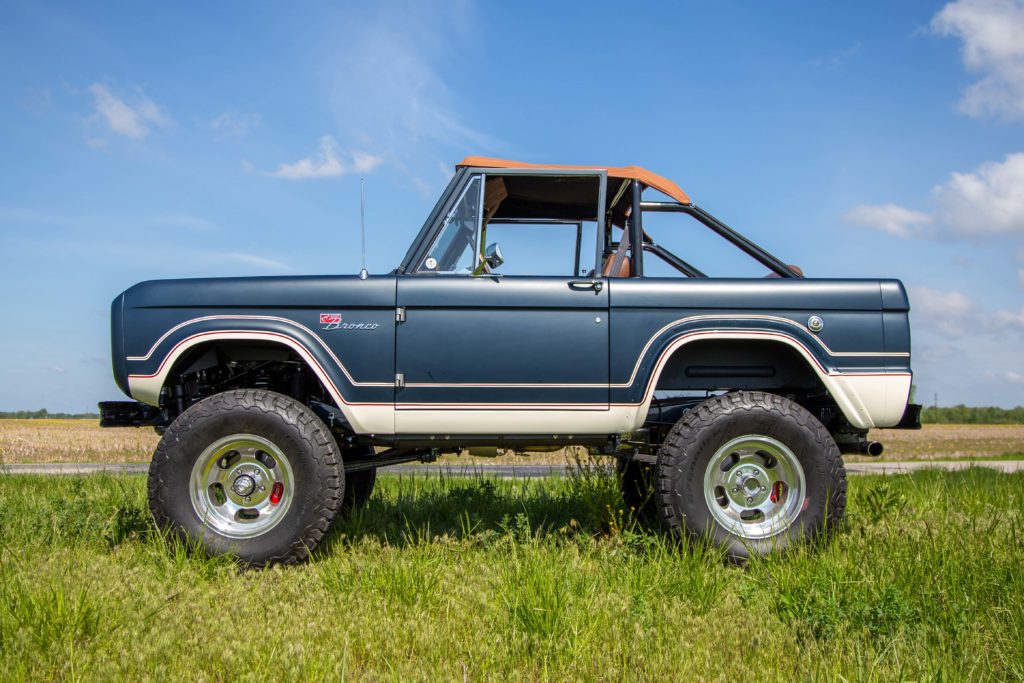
(542, 225)
(553, 248)
(454, 251)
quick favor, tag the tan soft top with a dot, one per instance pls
(649, 179)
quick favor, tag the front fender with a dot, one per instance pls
(366, 403)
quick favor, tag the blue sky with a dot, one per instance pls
(141, 141)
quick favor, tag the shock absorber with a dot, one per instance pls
(297, 385)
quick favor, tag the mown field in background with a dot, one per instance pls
(471, 579)
(82, 441)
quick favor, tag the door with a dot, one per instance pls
(511, 336)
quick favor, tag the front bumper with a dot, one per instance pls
(130, 414)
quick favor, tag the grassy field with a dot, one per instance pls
(470, 579)
(82, 441)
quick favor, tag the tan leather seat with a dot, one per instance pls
(617, 264)
(609, 265)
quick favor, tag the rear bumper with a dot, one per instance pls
(130, 414)
(911, 417)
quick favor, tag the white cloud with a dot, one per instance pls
(946, 311)
(890, 218)
(183, 221)
(952, 312)
(131, 120)
(985, 202)
(991, 31)
(1014, 377)
(326, 163)
(837, 58)
(989, 200)
(390, 71)
(934, 353)
(364, 163)
(1002, 320)
(257, 261)
(234, 123)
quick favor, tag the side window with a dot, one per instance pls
(455, 251)
(535, 247)
(540, 225)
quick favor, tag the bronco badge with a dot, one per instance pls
(332, 321)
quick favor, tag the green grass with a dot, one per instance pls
(442, 579)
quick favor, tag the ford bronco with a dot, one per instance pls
(534, 310)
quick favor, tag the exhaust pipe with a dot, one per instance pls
(863, 447)
(872, 448)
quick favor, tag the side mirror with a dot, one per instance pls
(492, 256)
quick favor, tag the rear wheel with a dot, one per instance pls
(754, 472)
(250, 473)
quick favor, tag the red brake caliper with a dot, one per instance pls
(777, 491)
(276, 492)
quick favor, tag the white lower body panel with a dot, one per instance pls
(539, 422)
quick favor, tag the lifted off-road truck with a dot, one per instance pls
(524, 316)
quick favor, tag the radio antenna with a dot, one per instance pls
(362, 227)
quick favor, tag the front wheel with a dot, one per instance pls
(250, 473)
(752, 471)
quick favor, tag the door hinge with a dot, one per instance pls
(400, 314)
(399, 380)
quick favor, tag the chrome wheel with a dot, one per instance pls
(754, 487)
(242, 486)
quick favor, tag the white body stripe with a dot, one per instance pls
(866, 399)
(287, 321)
(537, 385)
(368, 419)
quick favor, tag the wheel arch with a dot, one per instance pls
(848, 390)
(210, 349)
(708, 364)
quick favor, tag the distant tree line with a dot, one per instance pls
(970, 415)
(44, 414)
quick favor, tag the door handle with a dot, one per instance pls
(596, 285)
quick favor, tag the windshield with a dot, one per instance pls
(455, 250)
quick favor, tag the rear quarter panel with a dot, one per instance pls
(865, 332)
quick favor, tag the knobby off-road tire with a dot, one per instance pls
(250, 473)
(755, 455)
(636, 479)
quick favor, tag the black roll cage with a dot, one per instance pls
(417, 251)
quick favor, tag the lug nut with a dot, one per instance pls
(247, 499)
(749, 500)
(264, 488)
(735, 489)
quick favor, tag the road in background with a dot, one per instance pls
(528, 471)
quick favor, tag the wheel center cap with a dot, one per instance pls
(747, 485)
(244, 485)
